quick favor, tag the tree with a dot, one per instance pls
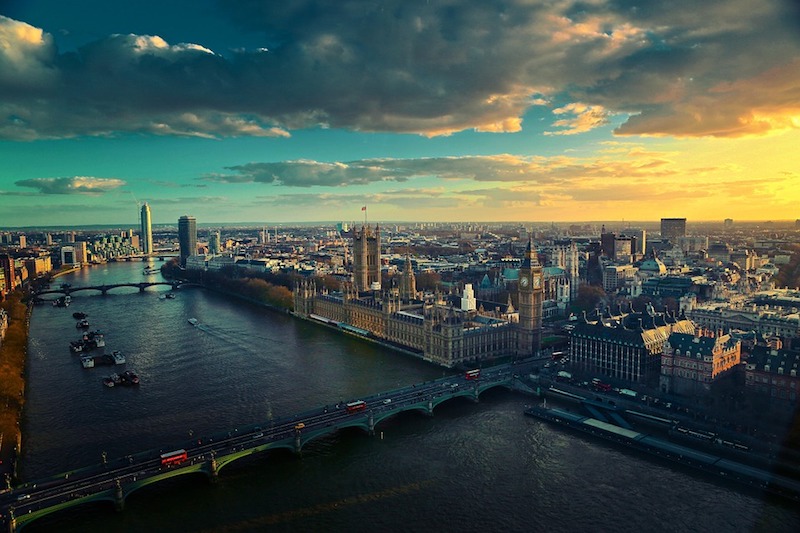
(588, 298)
(428, 281)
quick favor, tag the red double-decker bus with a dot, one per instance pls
(356, 406)
(473, 374)
(174, 458)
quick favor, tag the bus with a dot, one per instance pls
(174, 458)
(473, 374)
(600, 386)
(354, 407)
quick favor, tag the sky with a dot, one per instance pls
(421, 110)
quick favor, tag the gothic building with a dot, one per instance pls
(447, 330)
(530, 304)
(366, 257)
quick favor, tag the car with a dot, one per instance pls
(387, 400)
(258, 435)
(301, 425)
(22, 497)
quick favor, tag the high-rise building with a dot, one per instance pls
(7, 266)
(366, 258)
(728, 223)
(531, 290)
(672, 228)
(187, 237)
(146, 230)
(81, 253)
(641, 239)
(23, 241)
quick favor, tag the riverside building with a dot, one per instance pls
(445, 329)
(624, 346)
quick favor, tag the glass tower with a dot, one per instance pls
(147, 230)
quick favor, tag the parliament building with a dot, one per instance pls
(445, 329)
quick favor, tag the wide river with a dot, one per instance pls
(471, 467)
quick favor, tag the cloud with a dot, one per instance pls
(587, 117)
(400, 200)
(678, 69)
(72, 185)
(632, 162)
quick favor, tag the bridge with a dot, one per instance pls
(115, 480)
(68, 290)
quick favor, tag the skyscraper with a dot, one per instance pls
(187, 237)
(147, 230)
(672, 228)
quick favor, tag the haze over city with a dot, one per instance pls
(303, 111)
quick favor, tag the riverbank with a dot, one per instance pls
(13, 352)
(713, 464)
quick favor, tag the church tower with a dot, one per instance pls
(531, 290)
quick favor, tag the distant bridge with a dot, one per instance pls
(116, 480)
(68, 290)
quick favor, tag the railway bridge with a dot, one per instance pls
(68, 290)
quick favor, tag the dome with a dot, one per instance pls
(654, 265)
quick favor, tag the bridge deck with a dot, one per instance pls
(117, 479)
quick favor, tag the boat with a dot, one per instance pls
(170, 296)
(112, 380)
(87, 362)
(96, 338)
(162, 297)
(82, 324)
(79, 315)
(119, 359)
(194, 321)
(76, 346)
(129, 378)
(149, 271)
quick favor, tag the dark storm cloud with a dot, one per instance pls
(679, 67)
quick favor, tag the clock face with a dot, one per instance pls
(537, 281)
(523, 282)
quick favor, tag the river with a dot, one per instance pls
(471, 467)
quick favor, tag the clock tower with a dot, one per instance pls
(531, 291)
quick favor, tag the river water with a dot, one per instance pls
(471, 467)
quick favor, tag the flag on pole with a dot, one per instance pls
(364, 208)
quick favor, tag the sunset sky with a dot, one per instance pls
(423, 110)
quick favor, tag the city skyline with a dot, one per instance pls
(518, 112)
